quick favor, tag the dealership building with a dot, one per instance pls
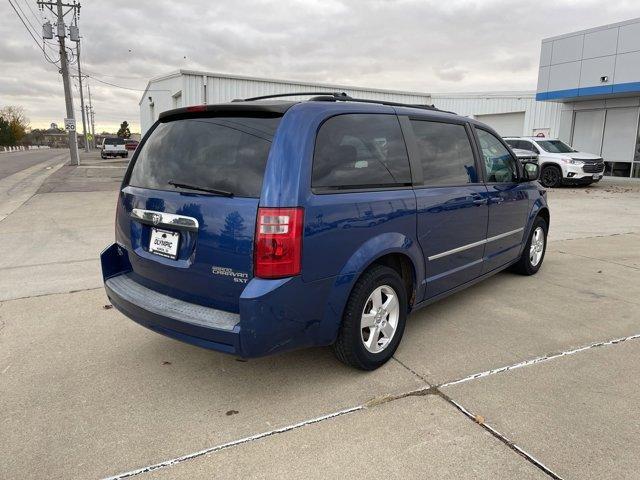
(588, 95)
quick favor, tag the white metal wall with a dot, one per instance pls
(195, 88)
(538, 115)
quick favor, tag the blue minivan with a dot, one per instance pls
(266, 225)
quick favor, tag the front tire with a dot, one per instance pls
(533, 254)
(551, 176)
(373, 320)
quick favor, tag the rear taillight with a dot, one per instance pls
(278, 248)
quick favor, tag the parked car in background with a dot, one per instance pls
(114, 147)
(525, 156)
(559, 163)
(256, 227)
(131, 144)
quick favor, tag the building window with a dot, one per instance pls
(617, 169)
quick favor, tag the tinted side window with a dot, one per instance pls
(500, 165)
(514, 143)
(445, 153)
(359, 151)
(528, 146)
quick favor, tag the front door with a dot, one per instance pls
(452, 211)
(508, 202)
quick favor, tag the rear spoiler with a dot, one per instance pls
(235, 108)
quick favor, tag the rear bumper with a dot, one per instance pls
(195, 324)
(274, 315)
(114, 153)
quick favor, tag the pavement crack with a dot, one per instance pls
(52, 293)
(599, 259)
(541, 359)
(496, 434)
(411, 370)
(381, 400)
(61, 262)
(217, 448)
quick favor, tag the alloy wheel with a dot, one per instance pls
(379, 320)
(537, 246)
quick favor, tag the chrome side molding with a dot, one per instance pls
(474, 244)
(163, 219)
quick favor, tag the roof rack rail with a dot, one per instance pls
(343, 97)
(278, 95)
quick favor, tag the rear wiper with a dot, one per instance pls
(215, 191)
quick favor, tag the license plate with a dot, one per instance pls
(164, 242)
(597, 176)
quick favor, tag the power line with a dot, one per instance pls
(38, 19)
(125, 88)
(113, 76)
(31, 34)
(35, 30)
(25, 26)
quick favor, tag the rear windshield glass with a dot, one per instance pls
(223, 153)
(114, 141)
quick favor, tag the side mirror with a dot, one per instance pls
(530, 171)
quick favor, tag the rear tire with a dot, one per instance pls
(551, 176)
(373, 320)
(533, 254)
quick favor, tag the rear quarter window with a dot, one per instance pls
(224, 153)
(360, 151)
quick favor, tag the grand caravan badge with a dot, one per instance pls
(238, 277)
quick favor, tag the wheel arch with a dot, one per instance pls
(395, 250)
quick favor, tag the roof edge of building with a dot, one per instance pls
(489, 94)
(308, 83)
(592, 29)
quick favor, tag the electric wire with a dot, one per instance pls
(31, 34)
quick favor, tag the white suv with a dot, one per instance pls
(559, 163)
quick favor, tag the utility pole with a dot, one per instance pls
(84, 124)
(57, 8)
(92, 113)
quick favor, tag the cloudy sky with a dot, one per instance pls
(429, 46)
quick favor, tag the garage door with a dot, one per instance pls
(506, 124)
(587, 131)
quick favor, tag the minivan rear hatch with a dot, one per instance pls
(188, 209)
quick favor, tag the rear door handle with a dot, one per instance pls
(479, 199)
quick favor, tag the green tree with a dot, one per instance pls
(6, 138)
(124, 131)
(17, 124)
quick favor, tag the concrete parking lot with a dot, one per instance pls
(516, 377)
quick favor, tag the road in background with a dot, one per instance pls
(14, 162)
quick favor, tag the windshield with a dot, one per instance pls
(114, 141)
(222, 153)
(555, 146)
